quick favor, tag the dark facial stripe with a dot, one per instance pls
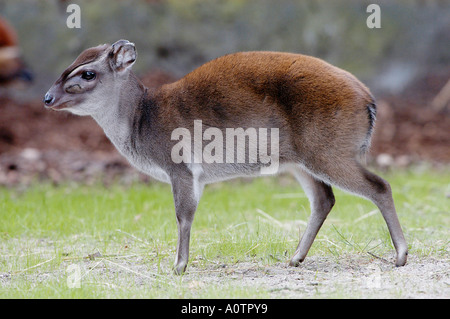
(87, 56)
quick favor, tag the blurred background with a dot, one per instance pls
(406, 63)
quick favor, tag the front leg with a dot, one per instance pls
(186, 193)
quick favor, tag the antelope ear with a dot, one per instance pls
(122, 55)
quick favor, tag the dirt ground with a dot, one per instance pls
(351, 277)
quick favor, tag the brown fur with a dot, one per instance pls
(305, 97)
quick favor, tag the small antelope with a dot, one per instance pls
(324, 117)
(12, 67)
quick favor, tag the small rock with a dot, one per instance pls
(30, 154)
(385, 160)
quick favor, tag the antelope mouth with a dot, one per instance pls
(61, 106)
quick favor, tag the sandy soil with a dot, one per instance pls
(350, 277)
(353, 276)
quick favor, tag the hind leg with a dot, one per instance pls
(381, 195)
(351, 176)
(321, 200)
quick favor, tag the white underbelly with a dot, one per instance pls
(150, 169)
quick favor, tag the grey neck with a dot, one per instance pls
(116, 118)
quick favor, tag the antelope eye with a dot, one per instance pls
(88, 75)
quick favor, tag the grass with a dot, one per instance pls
(121, 239)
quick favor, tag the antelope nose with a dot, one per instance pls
(49, 99)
